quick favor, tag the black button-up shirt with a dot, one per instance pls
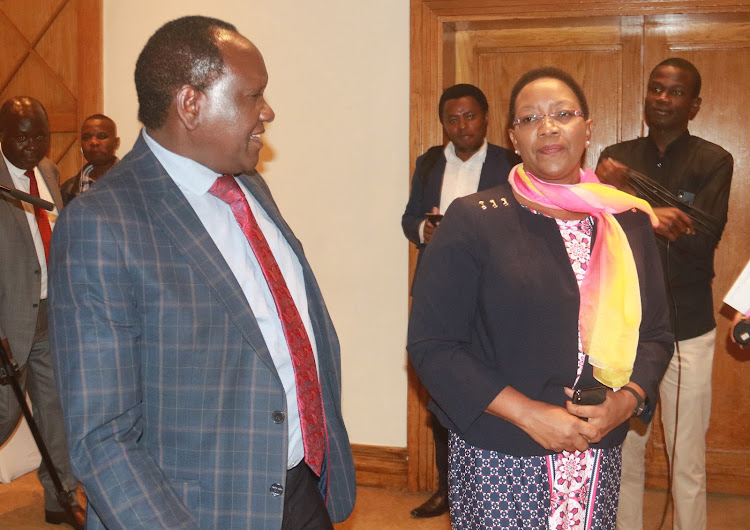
(696, 170)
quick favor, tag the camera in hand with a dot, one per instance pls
(741, 332)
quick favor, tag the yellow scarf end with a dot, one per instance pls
(612, 378)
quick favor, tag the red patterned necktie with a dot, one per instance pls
(42, 220)
(309, 400)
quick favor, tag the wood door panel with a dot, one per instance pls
(52, 52)
(594, 51)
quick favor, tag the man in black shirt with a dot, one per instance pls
(687, 182)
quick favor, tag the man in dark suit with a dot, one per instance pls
(467, 164)
(25, 233)
(186, 321)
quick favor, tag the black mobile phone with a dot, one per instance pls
(434, 218)
(595, 395)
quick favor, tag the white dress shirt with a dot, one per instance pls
(194, 180)
(459, 178)
(22, 183)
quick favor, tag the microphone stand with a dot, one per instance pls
(650, 189)
(9, 376)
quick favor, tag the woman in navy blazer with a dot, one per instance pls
(494, 335)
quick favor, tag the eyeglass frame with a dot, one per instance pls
(552, 115)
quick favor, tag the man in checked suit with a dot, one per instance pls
(24, 244)
(467, 164)
(175, 367)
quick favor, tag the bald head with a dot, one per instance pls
(24, 131)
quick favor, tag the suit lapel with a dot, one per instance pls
(324, 334)
(19, 214)
(434, 184)
(171, 210)
(52, 180)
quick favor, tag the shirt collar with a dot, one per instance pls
(674, 144)
(186, 173)
(477, 158)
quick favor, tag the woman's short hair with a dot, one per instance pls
(540, 73)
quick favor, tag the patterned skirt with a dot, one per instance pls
(563, 491)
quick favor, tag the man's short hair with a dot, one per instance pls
(459, 91)
(181, 52)
(101, 117)
(684, 64)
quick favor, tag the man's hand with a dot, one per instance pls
(616, 410)
(429, 228)
(615, 174)
(673, 223)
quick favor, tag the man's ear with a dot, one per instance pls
(188, 102)
(695, 106)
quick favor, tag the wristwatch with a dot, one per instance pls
(640, 405)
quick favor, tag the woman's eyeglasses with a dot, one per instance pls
(561, 117)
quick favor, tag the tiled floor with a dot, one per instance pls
(22, 507)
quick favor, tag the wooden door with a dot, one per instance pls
(51, 50)
(610, 49)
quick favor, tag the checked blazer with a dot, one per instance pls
(173, 407)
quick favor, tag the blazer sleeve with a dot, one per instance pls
(415, 208)
(444, 307)
(95, 331)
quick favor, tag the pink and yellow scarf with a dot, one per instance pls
(610, 312)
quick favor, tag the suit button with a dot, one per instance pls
(276, 489)
(34, 305)
(37, 272)
(278, 416)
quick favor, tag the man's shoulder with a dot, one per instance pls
(116, 191)
(625, 147)
(49, 168)
(502, 156)
(709, 148)
(496, 149)
(433, 152)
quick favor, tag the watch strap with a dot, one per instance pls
(638, 397)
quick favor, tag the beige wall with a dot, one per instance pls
(336, 158)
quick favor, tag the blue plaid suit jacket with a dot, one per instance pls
(167, 385)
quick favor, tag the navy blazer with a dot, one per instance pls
(425, 193)
(172, 403)
(496, 304)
